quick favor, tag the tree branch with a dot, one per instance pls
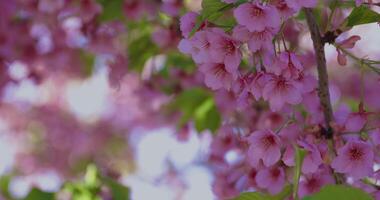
(323, 81)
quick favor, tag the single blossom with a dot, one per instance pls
(354, 159)
(298, 4)
(286, 64)
(307, 82)
(312, 160)
(283, 8)
(271, 179)
(187, 23)
(198, 46)
(279, 91)
(218, 75)
(290, 133)
(256, 17)
(356, 121)
(261, 40)
(312, 183)
(260, 79)
(224, 49)
(346, 44)
(264, 145)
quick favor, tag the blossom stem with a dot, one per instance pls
(361, 61)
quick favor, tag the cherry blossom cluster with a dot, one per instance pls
(284, 78)
(266, 84)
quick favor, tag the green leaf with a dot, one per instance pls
(199, 105)
(140, 45)
(88, 61)
(337, 192)
(362, 15)
(259, 196)
(206, 116)
(112, 10)
(36, 194)
(300, 155)
(91, 178)
(4, 186)
(119, 191)
(212, 10)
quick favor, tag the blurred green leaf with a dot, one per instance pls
(300, 155)
(91, 178)
(36, 194)
(112, 10)
(362, 15)
(206, 116)
(337, 192)
(140, 47)
(212, 10)
(119, 191)
(179, 60)
(260, 196)
(4, 186)
(88, 62)
(199, 105)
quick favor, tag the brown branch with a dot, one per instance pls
(323, 81)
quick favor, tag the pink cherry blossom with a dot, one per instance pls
(312, 183)
(283, 8)
(260, 40)
(224, 49)
(218, 75)
(259, 81)
(187, 23)
(280, 91)
(346, 44)
(298, 4)
(256, 17)
(264, 145)
(312, 160)
(354, 159)
(356, 121)
(286, 64)
(271, 179)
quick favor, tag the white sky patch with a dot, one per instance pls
(48, 181)
(88, 99)
(18, 70)
(8, 149)
(25, 91)
(154, 152)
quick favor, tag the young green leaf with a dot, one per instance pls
(112, 10)
(199, 105)
(37, 194)
(119, 191)
(335, 192)
(260, 196)
(362, 15)
(300, 155)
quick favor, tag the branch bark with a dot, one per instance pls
(323, 80)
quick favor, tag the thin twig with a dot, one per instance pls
(361, 61)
